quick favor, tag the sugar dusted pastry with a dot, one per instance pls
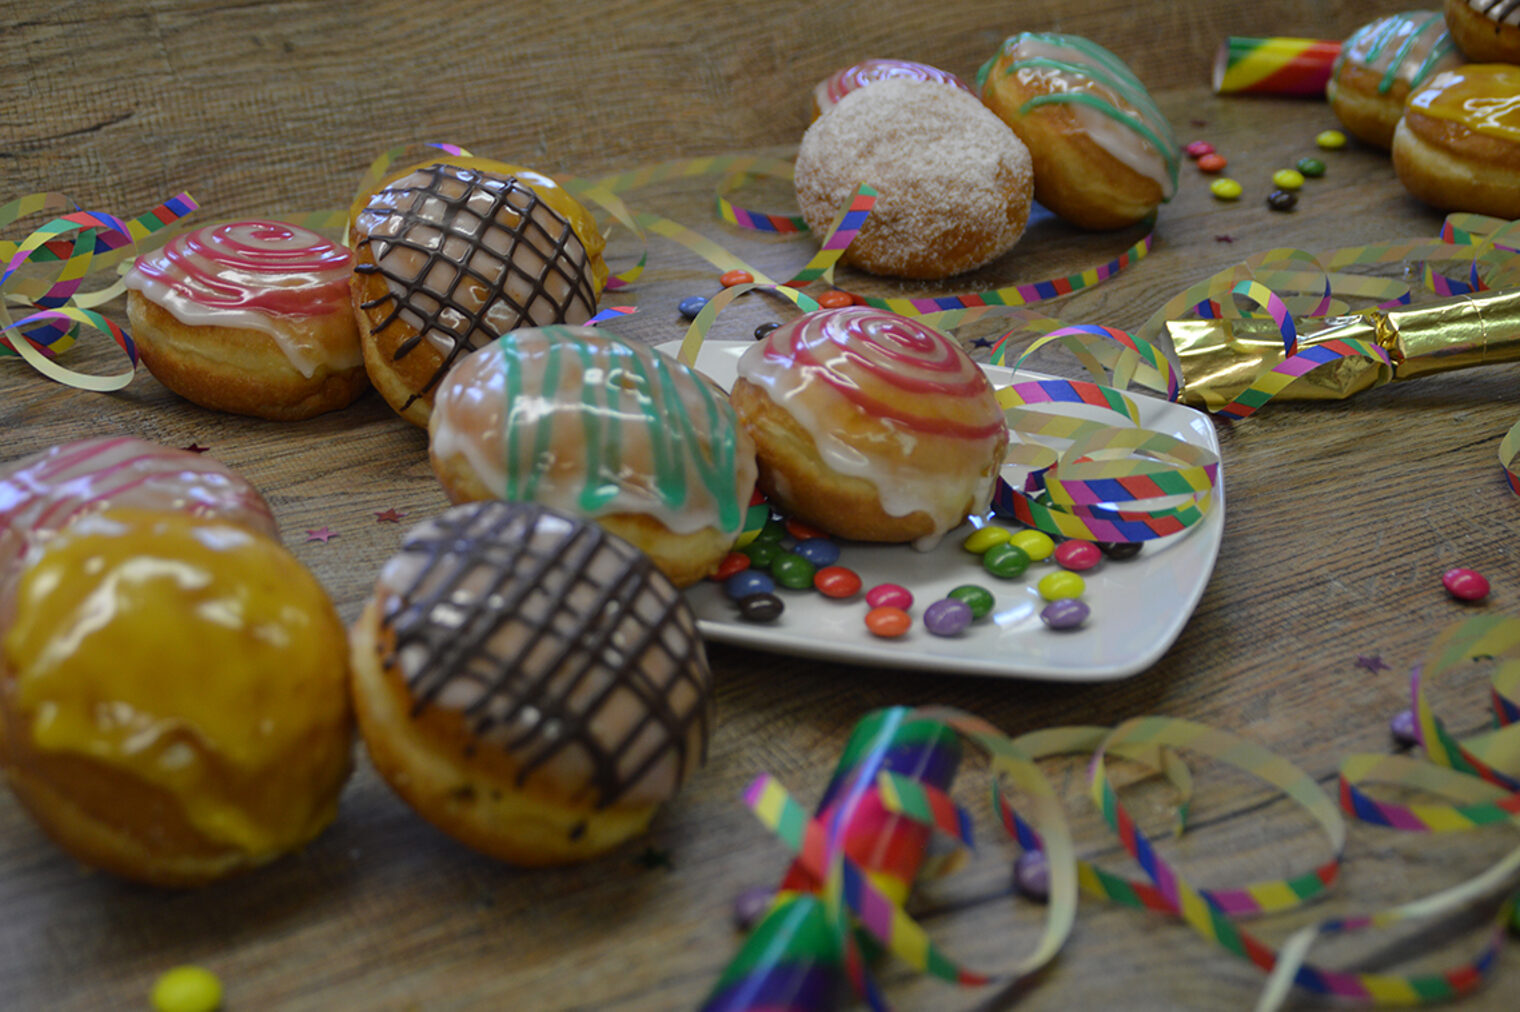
(530, 683)
(451, 256)
(600, 427)
(172, 697)
(251, 318)
(1104, 154)
(870, 425)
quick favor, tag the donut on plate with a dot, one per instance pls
(1378, 66)
(1458, 145)
(251, 318)
(1104, 155)
(529, 683)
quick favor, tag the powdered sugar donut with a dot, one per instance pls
(870, 425)
(828, 92)
(953, 183)
(250, 317)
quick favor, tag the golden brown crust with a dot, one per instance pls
(1482, 39)
(396, 379)
(244, 371)
(1073, 176)
(1451, 167)
(794, 476)
(1362, 110)
(472, 795)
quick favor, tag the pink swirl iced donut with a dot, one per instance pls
(870, 425)
(841, 82)
(42, 494)
(251, 317)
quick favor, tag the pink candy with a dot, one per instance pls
(889, 595)
(1465, 584)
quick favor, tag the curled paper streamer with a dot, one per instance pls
(1274, 66)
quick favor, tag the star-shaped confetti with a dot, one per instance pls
(1224, 238)
(390, 516)
(982, 342)
(653, 857)
(322, 534)
(195, 448)
(1371, 663)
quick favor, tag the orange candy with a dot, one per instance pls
(735, 277)
(887, 622)
(836, 299)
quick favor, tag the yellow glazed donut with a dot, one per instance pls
(1486, 30)
(251, 318)
(870, 425)
(451, 255)
(1458, 145)
(1104, 155)
(953, 184)
(1380, 63)
(172, 697)
(602, 428)
(529, 683)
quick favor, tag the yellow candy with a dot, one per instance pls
(1225, 189)
(1036, 544)
(1288, 179)
(983, 538)
(187, 989)
(1330, 140)
(1060, 585)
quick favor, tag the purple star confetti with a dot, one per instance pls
(322, 534)
(1371, 663)
(195, 448)
(390, 516)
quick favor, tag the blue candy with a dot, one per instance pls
(747, 582)
(819, 551)
(691, 306)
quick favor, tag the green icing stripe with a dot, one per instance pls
(1113, 112)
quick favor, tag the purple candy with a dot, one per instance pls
(947, 617)
(1031, 875)
(1067, 613)
(1403, 729)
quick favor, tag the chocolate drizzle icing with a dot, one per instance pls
(482, 233)
(1498, 10)
(551, 637)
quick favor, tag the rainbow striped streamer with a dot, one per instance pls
(1509, 457)
(1280, 376)
(757, 221)
(845, 227)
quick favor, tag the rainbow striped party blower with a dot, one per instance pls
(794, 959)
(1274, 66)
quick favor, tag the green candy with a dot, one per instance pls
(1311, 167)
(773, 531)
(978, 599)
(793, 571)
(1005, 561)
(761, 553)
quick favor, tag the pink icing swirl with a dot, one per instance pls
(887, 365)
(842, 82)
(263, 267)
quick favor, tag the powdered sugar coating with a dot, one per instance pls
(954, 183)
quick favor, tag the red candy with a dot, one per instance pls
(735, 277)
(887, 622)
(836, 299)
(836, 581)
(1465, 584)
(733, 562)
(1077, 555)
(1212, 163)
(1198, 149)
(889, 595)
(801, 531)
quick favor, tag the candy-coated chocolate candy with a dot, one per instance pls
(1312, 167)
(983, 538)
(1402, 727)
(1077, 555)
(1120, 550)
(1212, 163)
(947, 617)
(1067, 613)
(802, 531)
(1036, 544)
(889, 595)
(187, 989)
(1031, 875)
(761, 553)
(1225, 189)
(1060, 585)
(751, 905)
(835, 299)
(793, 571)
(1198, 149)
(747, 582)
(1465, 584)
(735, 277)
(764, 329)
(887, 622)
(978, 599)
(1288, 179)
(819, 551)
(1282, 200)
(837, 581)
(690, 306)
(1005, 561)
(733, 562)
(1330, 140)
(773, 531)
(760, 607)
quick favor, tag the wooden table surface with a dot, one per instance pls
(1341, 517)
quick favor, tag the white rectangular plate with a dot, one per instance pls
(1139, 606)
